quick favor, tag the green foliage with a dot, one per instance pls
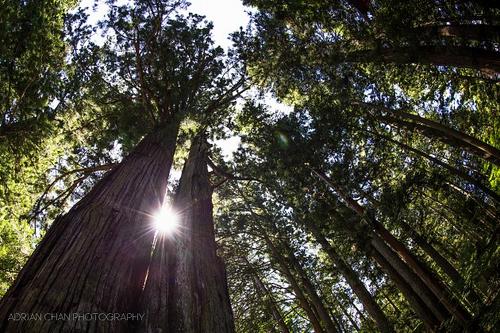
(371, 86)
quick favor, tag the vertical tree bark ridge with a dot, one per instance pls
(94, 258)
(186, 289)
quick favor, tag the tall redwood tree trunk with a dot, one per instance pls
(186, 288)
(94, 258)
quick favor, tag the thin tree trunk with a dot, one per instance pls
(357, 286)
(485, 61)
(268, 298)
(415, 282)
(307, 284)
(303, 302)
(391, 302)
(479, 32)
(347, 315)
(446, 166)
(434, 254)
(423, 272)
(95, 257)
(186, 289)
(430, 281)
(441, 261)
(310, 309)
(315, 299)
(435, 130)
(416, 303)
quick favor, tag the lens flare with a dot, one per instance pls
(166, 220)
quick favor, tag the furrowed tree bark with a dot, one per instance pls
(186, 288)
(354, 282)
(95, 257)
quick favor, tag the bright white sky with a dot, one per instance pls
(227, 16)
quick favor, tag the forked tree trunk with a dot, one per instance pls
(186, 288)
(94, 258)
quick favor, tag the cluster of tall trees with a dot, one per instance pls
(371, 206)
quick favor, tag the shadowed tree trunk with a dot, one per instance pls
(95, 257)
(186, 288)
(416, 303)
(441, 261)
(425, 304)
